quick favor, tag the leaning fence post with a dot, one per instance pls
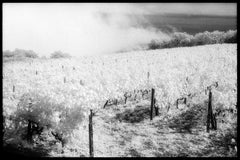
(105, 104)
(90, 135)
(152, 104)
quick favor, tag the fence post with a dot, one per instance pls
(125, 100)
(177, 104)
(209, 115)
(29, 133)
(168, 107)
(156, 107)
(215, 122)
(90, 135)
(212, 116)
(148, 75)
(152, 104)
(105, 104)
(64, 80)
(13, 88)
(185, 100)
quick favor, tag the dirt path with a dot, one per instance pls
(145, 138)
(126, 131)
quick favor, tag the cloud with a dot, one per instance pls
(81, 29)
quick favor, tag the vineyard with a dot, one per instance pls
(117, 88)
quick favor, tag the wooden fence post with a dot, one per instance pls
(177, 104)
(213, 117)
(125, 100)
(152, 104)
(64, 80)
(105, 104)
(29, 133)
(90, 135)
(215, 121)
(210, 117)
(156, 108)
(185, 100)
(168, 106)
(13, 88)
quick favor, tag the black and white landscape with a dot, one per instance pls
(120, 79)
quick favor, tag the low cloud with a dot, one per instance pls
(78, 29)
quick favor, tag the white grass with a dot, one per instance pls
(169, 68)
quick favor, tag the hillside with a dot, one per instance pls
(124, 129)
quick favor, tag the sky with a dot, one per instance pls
(88, 28)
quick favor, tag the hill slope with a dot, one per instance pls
(124, 129)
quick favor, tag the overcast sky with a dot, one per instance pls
(79, 29)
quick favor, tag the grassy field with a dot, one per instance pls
(124, 129)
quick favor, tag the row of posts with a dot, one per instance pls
(211, 118)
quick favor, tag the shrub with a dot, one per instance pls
(203, 38)
(182, 39)
(230, 36)
(8, 54)
(154, 45)
(18, 55)
(36, 113)
(25, 53)
(30, 54)
(59, 54)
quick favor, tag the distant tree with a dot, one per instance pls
(230, 36)
(182, 39)
(43, 57)
(154, 44)
(8, 53)
(25, 53)
(217, 37)
(59, 54)
(203, 38)
(18, 54)
(31, 54)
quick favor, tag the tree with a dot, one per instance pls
(59, 54)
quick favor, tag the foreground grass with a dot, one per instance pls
(120, 132)
(126, 131)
